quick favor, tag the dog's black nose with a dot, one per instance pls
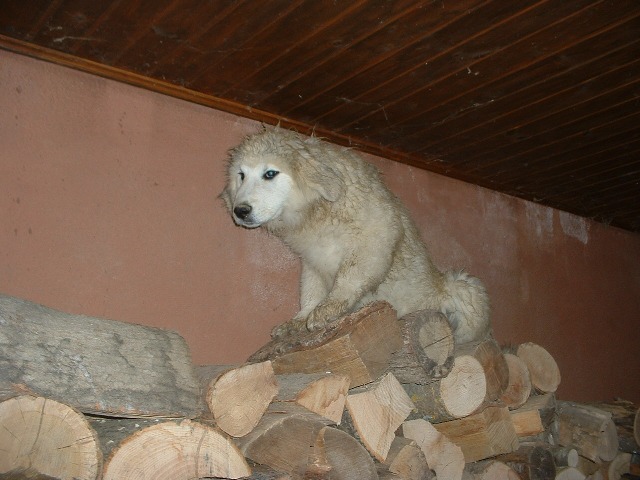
(242, 211)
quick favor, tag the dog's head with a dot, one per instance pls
(271, 175)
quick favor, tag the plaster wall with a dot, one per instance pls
(108, 208)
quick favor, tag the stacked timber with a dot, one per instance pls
(370, 397)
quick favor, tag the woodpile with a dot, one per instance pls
(370, 397)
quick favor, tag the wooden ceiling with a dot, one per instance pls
(537, 99)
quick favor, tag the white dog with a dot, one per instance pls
(354, 237)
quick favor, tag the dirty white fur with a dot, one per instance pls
(354, 237)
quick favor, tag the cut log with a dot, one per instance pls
(407, 460)
(358, 345)
(443, 456)
(428, 347)
(569, 473)
(618, 466)
(543, 369)
(535, 416)
(95, 365)
(519, 387)
(624, 414)
(588, 429)
(457, 395)
(324, 394)
(495, 367)
(238, 397)
(376, 411)
(44, 437)
(565, 456)
(303, 446)
(176, 451)
(482, 435)
(491, 470)
(531, 462)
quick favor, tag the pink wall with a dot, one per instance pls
(108, 208)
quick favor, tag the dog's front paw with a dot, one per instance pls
(324, 314)
(288, 328)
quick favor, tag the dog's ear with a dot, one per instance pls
(324, 180)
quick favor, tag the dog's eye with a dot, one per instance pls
(270, 174)
(241, 175)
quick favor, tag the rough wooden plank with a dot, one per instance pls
(95, 365)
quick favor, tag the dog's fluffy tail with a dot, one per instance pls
(466, 305)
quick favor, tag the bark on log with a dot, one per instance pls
(324, 394)
(376, 411)
(589, 430)
(39, 436)
(543, 369)
(491, 470)
(443, 456)
(358, 345)
(457, 395)
(531, 462)
(482, 435)
(303, 446)
(174, 451)
(519, 387)
(624, 414)
(407, 460)
(238, 397)
(495, 367)
(428, 347)
(95, 365)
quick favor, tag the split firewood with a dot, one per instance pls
(519, 387)
(490, 470)
(564, 456)
(238, 397)
(427, 350)
(324, 394)
(406, 459)
(357, 345)
(95, 365)
(39, 437)
(618, 467)
(174, 450)
(303, 446)
(543, 369)
(531, 462)
(569, 473)
(624, 416)
(457, 395)
(495, 367)
(535, 416)
(588, 429)
(376, 411)
(443, 456)
(482, 435)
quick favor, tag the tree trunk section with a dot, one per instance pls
(443, 456)
(238, 397)
(376, 411)
(358, 345)
(457, 395)
(491, 470)
(39, 436)
(304, 447)
(406, 459)
(176, 451)
(324, 394)
(95, 365)
(519, 387)
(495, 367)
(588, 429)
(531, 462)
(482, 435)
(427, 350)
(543, 369)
